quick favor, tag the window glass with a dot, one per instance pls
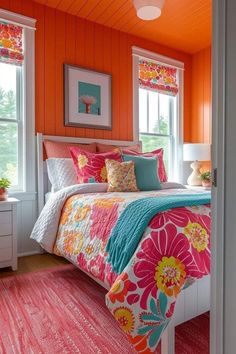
(152, 142)
(153, 112)
(156, 115)
(9, 151)
(7, 91)
(164, 117)
(143, 110)
(9, 122)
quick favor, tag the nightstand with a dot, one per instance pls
(8, 233)
(198, 188)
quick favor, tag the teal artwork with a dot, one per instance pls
(89, 98)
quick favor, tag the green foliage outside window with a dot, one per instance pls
(8, 136)
(152, 142)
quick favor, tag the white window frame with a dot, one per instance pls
(27, 149)
(177, 140)
(18, 120)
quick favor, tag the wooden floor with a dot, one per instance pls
(33, 263)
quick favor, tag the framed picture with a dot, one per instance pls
(87, 98)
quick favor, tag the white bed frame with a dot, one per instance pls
(191, 303)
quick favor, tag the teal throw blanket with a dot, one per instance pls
(133, 221)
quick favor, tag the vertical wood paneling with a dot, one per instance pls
(60, 26)
(63, 38)
(28, 8)
(201, 97)
(80, 56)
(16, 5)
(89, 59)
(107, 66)
(5, 4)
(115, 84)
(39, 68)
(99, 60)
(49, 72)
(70, 53)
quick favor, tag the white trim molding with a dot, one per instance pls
(27, 193)
(16, 19)
(218, 190)
(161, 59)
(177, 146)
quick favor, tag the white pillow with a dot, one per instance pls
(61, 173)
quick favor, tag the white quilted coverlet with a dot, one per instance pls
(45, 228)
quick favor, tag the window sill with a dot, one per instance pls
(22, 195)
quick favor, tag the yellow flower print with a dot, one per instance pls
(82, 161)
(82, 212)
(103, 173)
(125, 318)
(66, 213)
(73, 242)
(197, 236)
(6, 43)
(108, 202)
(170, 275)
(56, 250)
(89, 249)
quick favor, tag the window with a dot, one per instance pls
(156, 123)
(11, 94)
(158, 106)
(11, 122)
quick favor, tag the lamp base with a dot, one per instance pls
(194, 179)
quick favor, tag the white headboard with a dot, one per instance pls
(43, 181)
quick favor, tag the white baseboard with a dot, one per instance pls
(31, 253)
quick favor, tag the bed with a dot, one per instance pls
(144, 295)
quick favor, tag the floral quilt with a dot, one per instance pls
(173, 252)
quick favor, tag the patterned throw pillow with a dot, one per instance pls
(91, 168)
(121, 176)
(156, 153)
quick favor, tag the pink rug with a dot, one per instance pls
(61, 310)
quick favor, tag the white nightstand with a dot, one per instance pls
(198, 188)
(8, 233)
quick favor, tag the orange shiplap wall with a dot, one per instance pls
(60, 38)
(201, 108)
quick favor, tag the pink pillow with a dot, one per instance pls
(91, 168)
(61, 150)
(106, 147)
(156, 153)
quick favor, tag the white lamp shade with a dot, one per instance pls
(197, 152)
(148, 9)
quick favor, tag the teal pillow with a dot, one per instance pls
(145, 172)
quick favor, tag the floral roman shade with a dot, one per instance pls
(157, 77)
(11, 49)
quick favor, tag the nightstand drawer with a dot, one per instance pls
(5, 248)
(5, 242)
(5, 223)
(5, 254)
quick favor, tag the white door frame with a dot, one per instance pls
(223, 315)
(218, 153)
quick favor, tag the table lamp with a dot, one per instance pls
(196, 153)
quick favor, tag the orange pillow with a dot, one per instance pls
(107, 147)
(61, 149)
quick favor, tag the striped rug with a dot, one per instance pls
(61, 310)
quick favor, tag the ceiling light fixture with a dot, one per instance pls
(148, 9)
